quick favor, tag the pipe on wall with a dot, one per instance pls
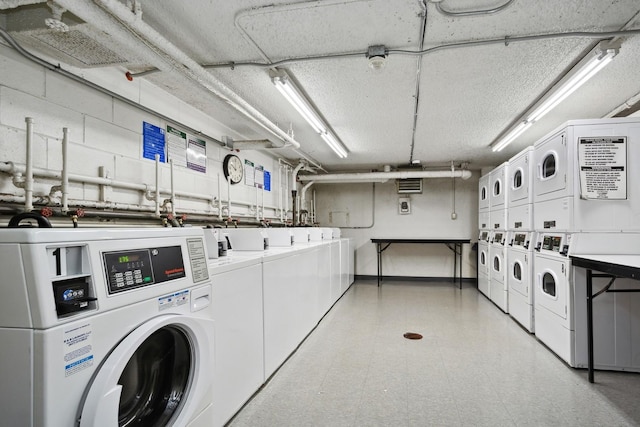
(65, 170)
(381, 176)
(28, 180)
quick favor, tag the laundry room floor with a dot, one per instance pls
(473, 366)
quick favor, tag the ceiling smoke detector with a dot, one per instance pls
(377, 56)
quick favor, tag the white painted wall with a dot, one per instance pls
(352, 208)
(106, 132)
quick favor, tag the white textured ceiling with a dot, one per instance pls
(468, 95)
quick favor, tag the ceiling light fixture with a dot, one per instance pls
(296, 98)
(377, 56)
(589, 66)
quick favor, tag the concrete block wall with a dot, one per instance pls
(106, 133)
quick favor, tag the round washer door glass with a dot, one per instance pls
(155, 379)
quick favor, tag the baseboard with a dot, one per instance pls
(414, 278)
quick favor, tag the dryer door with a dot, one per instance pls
(552, 284)
(156, 376)
(551, 166)
(519, 274)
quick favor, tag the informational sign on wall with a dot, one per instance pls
(267, 181)
(153, 142)
(186, 151)
(197, 155)
(259, 176)
(603, 167)
(249, 177)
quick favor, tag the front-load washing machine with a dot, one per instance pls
(553, 294)
(520, 277)
(498, 292)
(520, 191)
(483, 262)
(105, 327)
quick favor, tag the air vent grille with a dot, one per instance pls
(409, 185)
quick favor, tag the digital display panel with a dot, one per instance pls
(519, 239)
(551, 243)
(142, 267)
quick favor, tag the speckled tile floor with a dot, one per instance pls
(474, 367)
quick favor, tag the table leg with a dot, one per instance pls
(379, 249)
(590, 323)
(460, 264)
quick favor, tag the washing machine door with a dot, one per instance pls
(156, 376)
(552, 285)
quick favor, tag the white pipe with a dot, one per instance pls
(285, 196)
(228, 198)
(65, 170)
(303, 194)
(280, 189)
(257, 208)
(173, 191)
(377, 176)
(262, 207)
(158, 185)
(28, 187)
(313, 204)
(180, 62)
(219, 199)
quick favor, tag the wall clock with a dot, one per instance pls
(232, 168)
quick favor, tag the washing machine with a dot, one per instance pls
(498, 292)
(553, 294)
(483, 262)
(586, 178)
(520, 277)
(105, 327)
(520, 191)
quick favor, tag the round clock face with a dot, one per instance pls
(232, 168)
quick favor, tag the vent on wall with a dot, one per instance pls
(409, 185)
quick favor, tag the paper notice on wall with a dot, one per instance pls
(152, 142)
(77, 348)
(197, 155)
(267, 181)
(249, 177)
(259, 176)
(603, 167)
(177, 146)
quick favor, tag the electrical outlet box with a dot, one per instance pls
(404, 206)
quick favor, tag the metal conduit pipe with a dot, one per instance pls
(303, 197)
(182, 63)
(28, 182)
(13, 169)
(379, 176)
(65, 170)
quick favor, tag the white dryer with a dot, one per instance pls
(498, 292)
(105, 327)
(520, 191)
(483, 262)
(587, 175)
(520, 277)
(553, 295)
(498, 200)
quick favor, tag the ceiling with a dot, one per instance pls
(442, 105)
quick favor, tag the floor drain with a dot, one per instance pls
(412, 336)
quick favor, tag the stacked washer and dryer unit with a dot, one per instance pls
(576, 191)
(587, 195)
(521, 238)
(498, 243)
(105, 327)
(484, 227)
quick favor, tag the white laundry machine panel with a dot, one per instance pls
(301, 234)
(483, 193)
(106, 326)
(520, 277)
(484, 219)
(588, 169)
(520, 180)
(498, 292)
(483, 262)
(498, 178)
(553, 294)
(521, 217)
(499, 218)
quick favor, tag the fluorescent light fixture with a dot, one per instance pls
(596, 60)
(334, 144)
(294, 95)
(508, 138)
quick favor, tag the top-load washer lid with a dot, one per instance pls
(156, 376)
